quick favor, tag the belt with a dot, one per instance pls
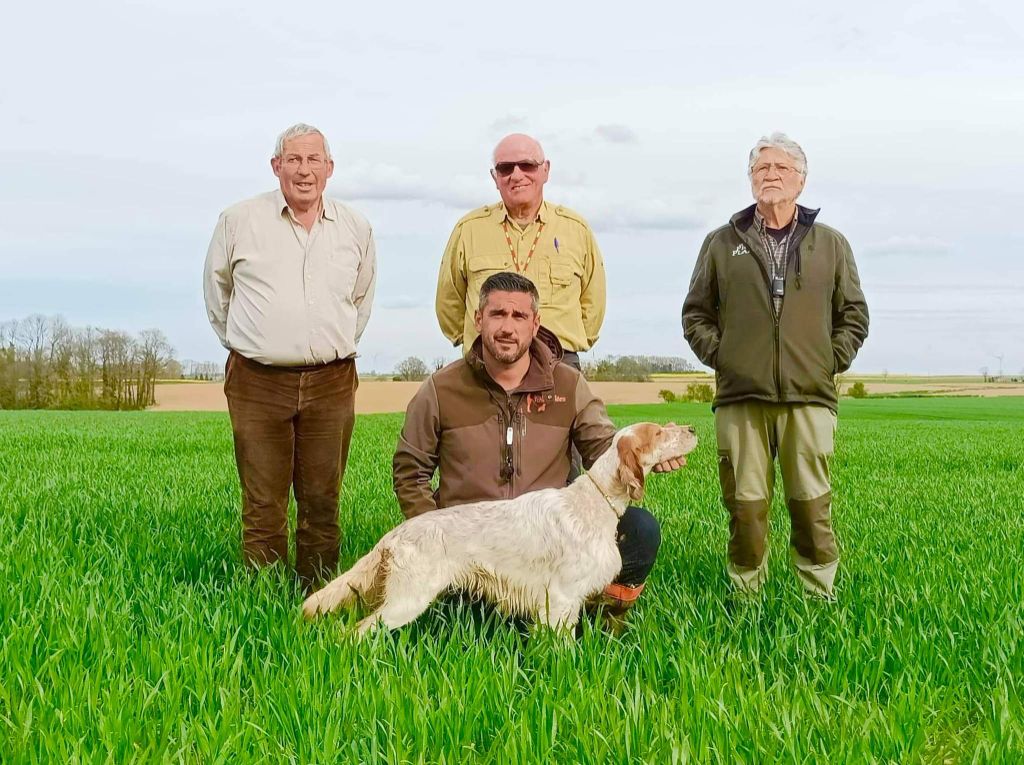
(282, 368)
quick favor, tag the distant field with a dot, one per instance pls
(378, 396)
(866, 378)
(131, 632)
(883, 384)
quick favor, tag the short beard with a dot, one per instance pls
(773, 197)
(505, 357)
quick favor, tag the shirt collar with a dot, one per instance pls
(543, 214)
(760, 225)
(326, 209)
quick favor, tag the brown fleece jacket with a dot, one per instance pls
(489, 444)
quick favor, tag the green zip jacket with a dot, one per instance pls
(730, 322)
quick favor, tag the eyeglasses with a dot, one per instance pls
(780, 169)
(505, 169)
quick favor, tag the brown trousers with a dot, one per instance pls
(292, 426)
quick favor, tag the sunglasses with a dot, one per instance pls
(506, 169)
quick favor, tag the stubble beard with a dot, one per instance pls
(504, 355)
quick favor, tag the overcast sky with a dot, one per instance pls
(127, 128)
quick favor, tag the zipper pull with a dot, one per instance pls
(508, 435)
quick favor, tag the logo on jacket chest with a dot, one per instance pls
(538, 402)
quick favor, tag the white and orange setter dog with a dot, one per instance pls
(540, 555)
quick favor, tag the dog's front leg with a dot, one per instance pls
(560, 614)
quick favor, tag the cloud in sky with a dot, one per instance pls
(910, 244)
(402, 302)
(111, 214)
(616, 133)
(510, 123)
(648, 214)
(388, 183)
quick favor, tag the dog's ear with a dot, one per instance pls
(631, 472)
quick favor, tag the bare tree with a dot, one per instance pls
(412, 368)
(8, 364)
(172, 370)
(45, 363)
(86, 360)
(152, 353)
(35, 339)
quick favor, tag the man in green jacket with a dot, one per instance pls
(776, 309)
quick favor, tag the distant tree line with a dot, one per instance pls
(188, 369)
(614, 368)
(47, 364)
(634, 368)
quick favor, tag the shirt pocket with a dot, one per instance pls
(481, 266)
(342, 266)
(565, 274)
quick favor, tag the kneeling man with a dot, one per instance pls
(501, 422)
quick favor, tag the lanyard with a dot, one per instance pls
(512, 250)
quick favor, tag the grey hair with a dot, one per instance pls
(506, 281)
(298, 130)
(778, 141)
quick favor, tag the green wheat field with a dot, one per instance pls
(130, 632)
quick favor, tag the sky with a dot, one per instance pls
(127, 128)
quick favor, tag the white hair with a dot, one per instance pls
(778, 141)
(297, 131)
(494, 153)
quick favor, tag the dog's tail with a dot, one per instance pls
(362, 580)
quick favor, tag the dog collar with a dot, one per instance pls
(607, 498)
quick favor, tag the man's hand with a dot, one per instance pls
(669, 465)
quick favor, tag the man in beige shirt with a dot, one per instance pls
(550, 244)
(289, 282)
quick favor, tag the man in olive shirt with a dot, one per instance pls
(289, 281)
(776, 309)
(549, 244)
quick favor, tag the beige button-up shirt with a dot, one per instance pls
(284, 296)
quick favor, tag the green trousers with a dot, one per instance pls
(750, 436)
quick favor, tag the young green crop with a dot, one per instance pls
(130, 632)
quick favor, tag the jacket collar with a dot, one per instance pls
(545, 353)
(744, 219)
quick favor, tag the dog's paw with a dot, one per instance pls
(311, 607)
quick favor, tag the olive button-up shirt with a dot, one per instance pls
(566, 267)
